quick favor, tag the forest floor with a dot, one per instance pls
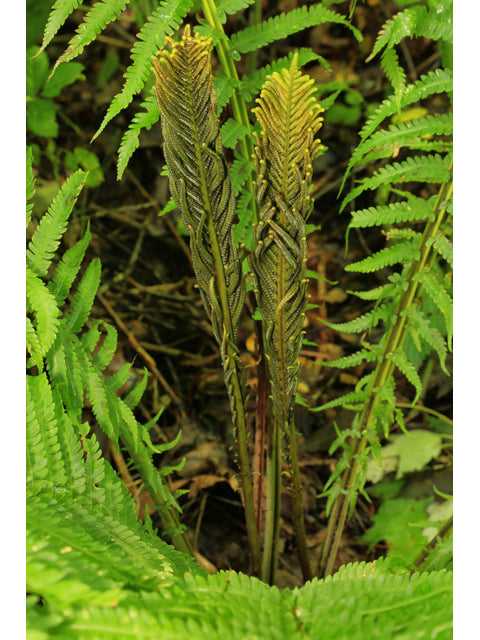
(148, 292)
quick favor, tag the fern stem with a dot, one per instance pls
(255, 18)
(395, 338)
(238, 103)
(273, 506)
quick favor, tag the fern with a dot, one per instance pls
(142, 120)
(400, 303)
(74, 361)
(283, 25)
(161, 23)
(102, 12)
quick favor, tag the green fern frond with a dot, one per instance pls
(405, 134)
(401, 361)
(416, 21)
(53, 224)
(59, 12)
(45, 455)
(101, 13)
(438, 81)
(43, 306)
(107, 348)
(365, 322)
(163, 21)
(362, 355)
(413, 210)
(239, 172)
(229, 7)
(285, 24)
(348, 399)
(425, 168)
(394, 72)
(399, 252)
(224, 88)
(443, 247)
(84, 296)
(129, 144)
(231, 132)
(440, 298)
(429, 334)
(68, 267)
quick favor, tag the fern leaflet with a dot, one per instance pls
(163, 21)
(285, 24)
(425, 168)
(102, 12)
(59, 13)
(129, 144)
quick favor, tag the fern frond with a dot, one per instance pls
(406, 134)
(397, 253)
(43, 306)
(59, 12)
(354, 397)
(106, 351)
(163, 21)
(68, 267)
(429, 334)
(45, 455)
(224, 88)
(84, 296)
(444, 247)
(34, 348)
(289, 118)
(416, 21)
(285, 24)
(401, 361)
(438, 81)
(129, 144)
(413, 210)
(425, 168)
(440, 298)
(231, 132)
(229, 7)
(362, 355)
(253, 82)
(365, 322)
(53, 224)
(101, 13)
(394, 72)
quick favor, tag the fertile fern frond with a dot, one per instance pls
(102, 12)
(163, 21)
(253, 82)
(199, 177)
(289, 118)
(285, 24)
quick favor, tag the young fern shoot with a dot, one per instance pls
(201, 187)
(289, 118)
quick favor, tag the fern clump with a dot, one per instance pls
(417, 229)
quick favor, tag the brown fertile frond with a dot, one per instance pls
(199, 179)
